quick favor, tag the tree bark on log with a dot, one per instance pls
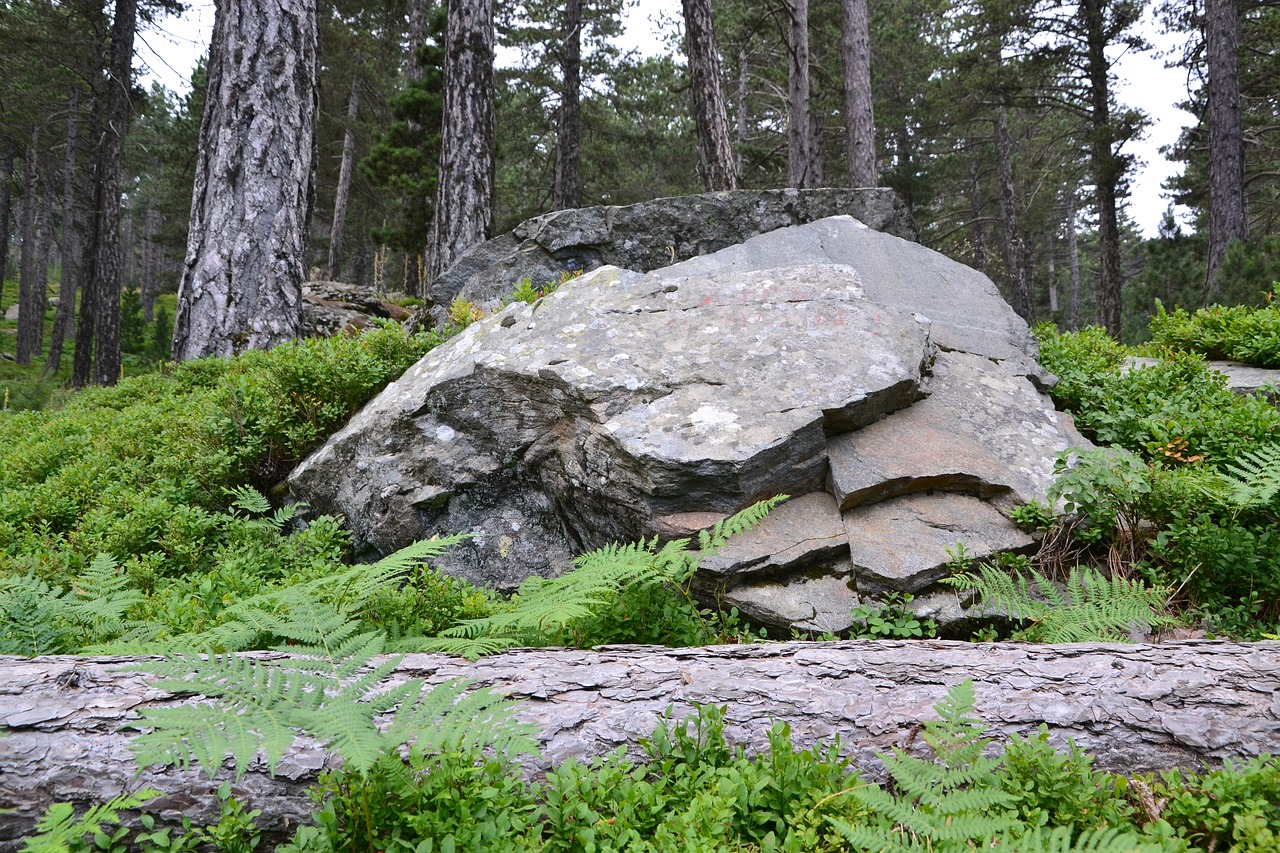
(1136, 707)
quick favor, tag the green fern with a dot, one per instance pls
(1251, 481)
(1094, 607)
(953, 803)
(1060, 840)
(330, 688)
(39, 619)
(542, 606)
(60, 831)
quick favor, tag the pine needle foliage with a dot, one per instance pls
(1092, 608)
(542, 606)
(60, 831)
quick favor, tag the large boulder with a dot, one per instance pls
(889, 390)
(647, 236)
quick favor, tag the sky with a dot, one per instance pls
(171, 50)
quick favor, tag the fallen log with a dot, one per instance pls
(1136, 707)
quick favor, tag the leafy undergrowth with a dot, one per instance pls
(1239, 332)
(455, 788)
(1185, 495)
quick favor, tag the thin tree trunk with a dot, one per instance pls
(1137, 708)
(799, 130)
(980, 262)
(1014, 249)
(44, 261)
(153, 260)
(343, 194)
(6, 203)
(716, 156)
(242, 281)
(1227, 219)
(71, 249)
(1073, 258)
(419, 20)
(567, 189)
(859, 116)
(464, 195)
(1106, 166)
(744, 80)
(30, 297)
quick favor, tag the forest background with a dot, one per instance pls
(998, 123)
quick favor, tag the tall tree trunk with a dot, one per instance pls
(30, 291)
(6, 202)
(106, 362)
(1014, 250)
(246, 258)
(343, 194)
(1227, 220)
(716, 156)
(859, 117)
(799, 131)
(44, 260)
(744, 82)
(464, 194)
(70, 280)
(1105, 163)
(980, 262)
(419, 20)
(566, 192)
(152, 262)
(86, 322)
(1073, 259)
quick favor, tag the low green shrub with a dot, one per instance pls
(1239, 332)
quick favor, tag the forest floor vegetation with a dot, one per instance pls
(145, 518)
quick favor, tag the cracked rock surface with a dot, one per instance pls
(889, 390)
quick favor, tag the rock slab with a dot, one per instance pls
(647, 236)
(889, 390)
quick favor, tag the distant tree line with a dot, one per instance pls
(381, 139)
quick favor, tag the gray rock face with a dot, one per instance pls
(648, 236)
(332, 307)
(889, 390)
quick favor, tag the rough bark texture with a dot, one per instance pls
(247, 250)
(1137, 707)
(799, 132)
(566, 191)
(152, 261)
(1227, 220)
(1014, 250)
(464, 194)
(70, 249)
(30, 283)
(716, 156)
(859, 117)
(345, 172)
(108, 265)
(1106, 165)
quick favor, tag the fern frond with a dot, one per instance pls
(248, 500)
(33, 617)
(1094, 607)
(60, 831)
(1253, 479)
(1092, 841)
(711, 541)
